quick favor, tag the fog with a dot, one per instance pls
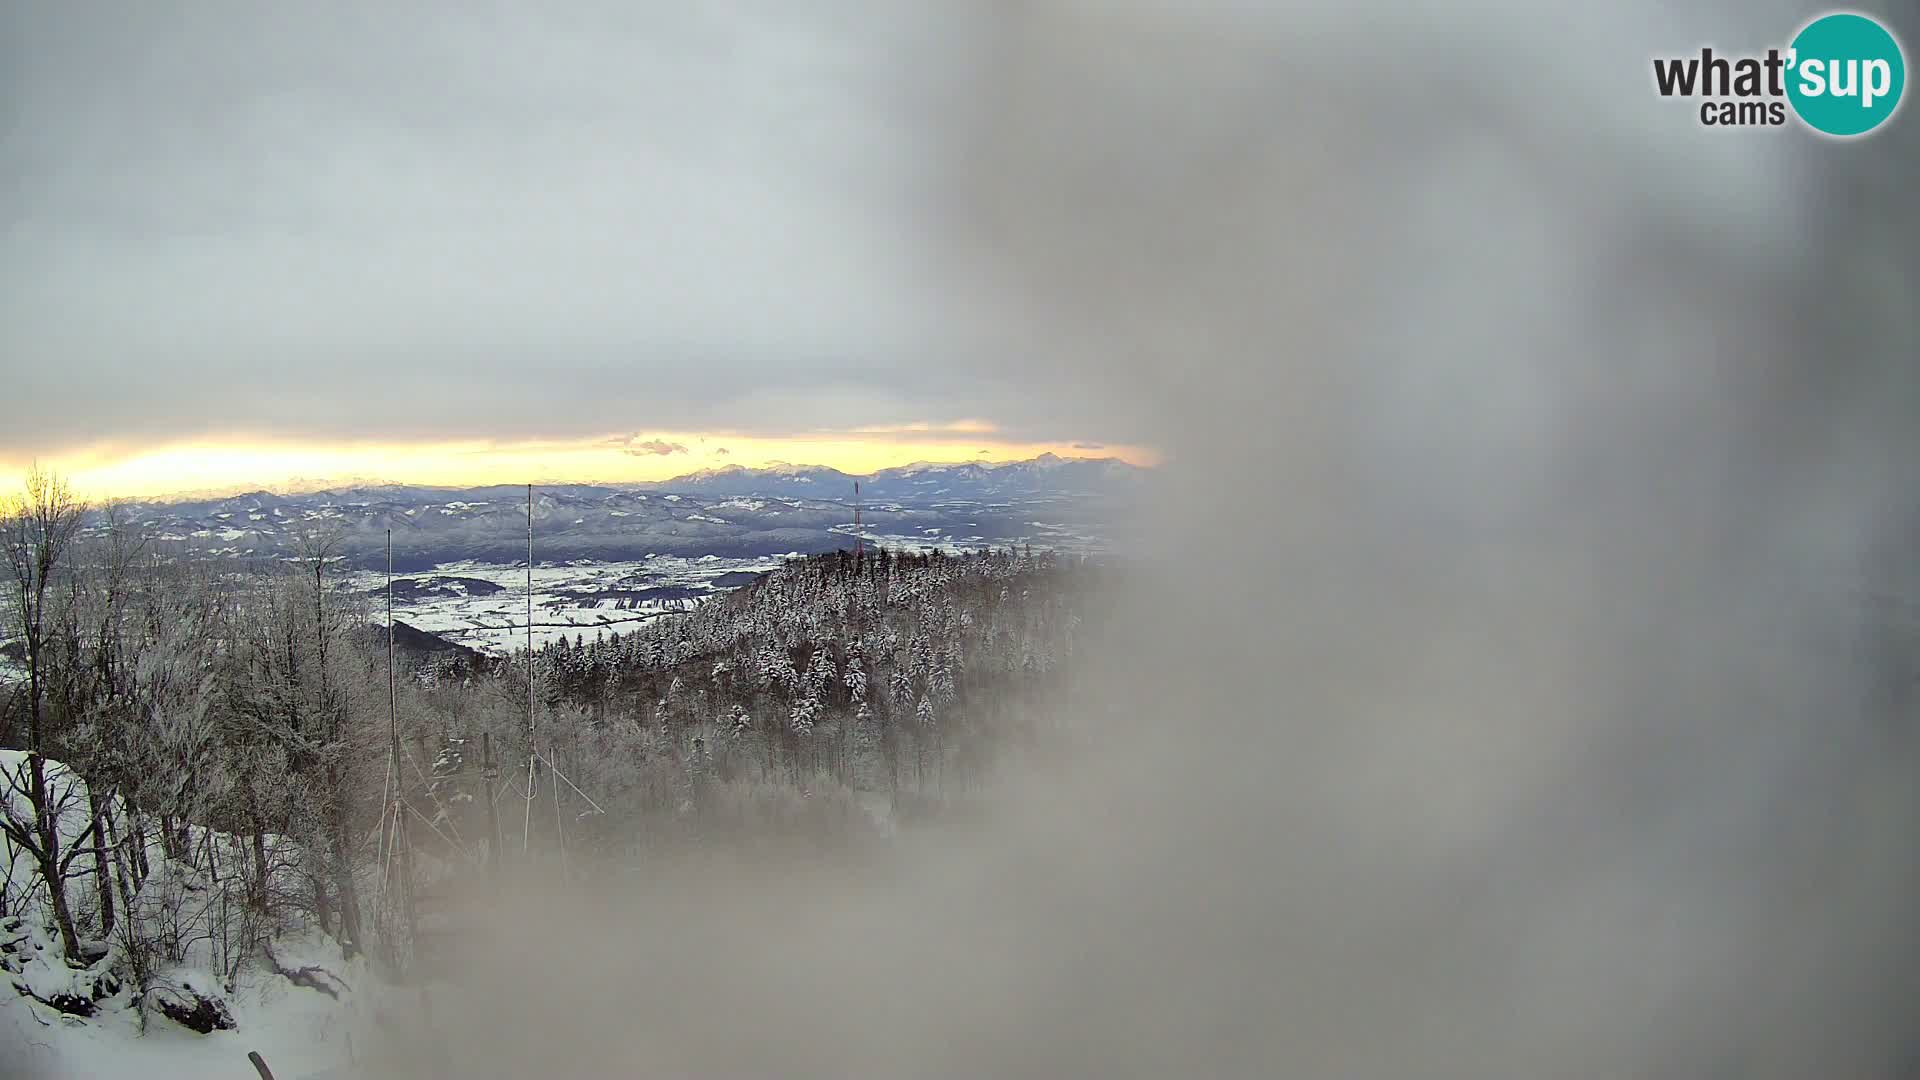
(1521, 682)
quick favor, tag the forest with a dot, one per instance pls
(201, 754)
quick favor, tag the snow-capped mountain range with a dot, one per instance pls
(733, 512)
(1047, 474)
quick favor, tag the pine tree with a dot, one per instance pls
(900, 684)
(924, 715)
(820, 673)
(805, 709)
(856, 678)
(942, 682)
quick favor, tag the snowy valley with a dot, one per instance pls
(237, 823)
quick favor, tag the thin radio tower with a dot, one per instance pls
(534, 759)
(400, 847)
(853, 611)
(533, 754)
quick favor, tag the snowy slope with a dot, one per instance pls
(301, 1031)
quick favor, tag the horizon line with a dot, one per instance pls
(326, 485)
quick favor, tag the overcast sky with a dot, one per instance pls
(333, 224)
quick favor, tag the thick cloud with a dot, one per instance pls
(418, 220)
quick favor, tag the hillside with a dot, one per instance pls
(224, 846)
(1046, 475)
(734, 513)
(889, 673)
(182, 973)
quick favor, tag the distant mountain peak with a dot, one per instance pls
(1048, 474)
(729, 511)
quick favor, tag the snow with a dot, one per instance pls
(576, 599)
(300, 1032)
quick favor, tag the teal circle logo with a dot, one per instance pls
(1846, 74)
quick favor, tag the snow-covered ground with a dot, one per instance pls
(484, 605)
(576, 598)
(300, 1031)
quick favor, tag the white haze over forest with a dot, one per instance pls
(1512, 672)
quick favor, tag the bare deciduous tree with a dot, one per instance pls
(37, 528)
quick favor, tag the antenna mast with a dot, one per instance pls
(533, 755)
(534, 760)
(400, 845)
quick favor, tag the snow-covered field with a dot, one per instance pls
(484, 605)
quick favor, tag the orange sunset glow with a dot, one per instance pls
(227, 465)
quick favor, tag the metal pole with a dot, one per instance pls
(393, 721)
(529, 617)
(559, 829)
(399, 779)
(488, 773)
(526, 834)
